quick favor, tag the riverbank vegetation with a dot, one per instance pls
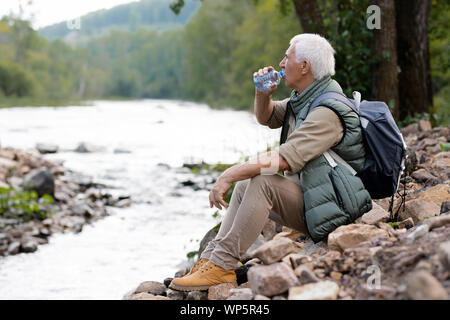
(207, 55)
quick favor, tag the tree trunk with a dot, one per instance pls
(415, 91)
(308, 13)
(384, 48)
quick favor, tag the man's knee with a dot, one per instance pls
(240, 187)
(261, 180)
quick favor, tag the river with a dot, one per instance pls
(143, 147)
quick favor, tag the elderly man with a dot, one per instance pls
(313, 196)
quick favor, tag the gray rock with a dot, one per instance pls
(444, 254)
(29, 246)
(40, 180)
(445, 207)
(176, 295)
(197, 295)
(119, 150)
(240, 294)
(271, 280)
(420, 232)
(421, 285)
(152, 287)
(45, 148)
(14, 247)
(274, 250)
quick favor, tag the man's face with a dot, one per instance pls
(291, 67)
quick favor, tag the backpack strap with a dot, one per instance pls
(285, 129)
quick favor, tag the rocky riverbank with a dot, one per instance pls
(41, 197)
(373, 258)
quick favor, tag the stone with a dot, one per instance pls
(422, 285)
(146, 296)
(269, 230)
(292, 258)
(424, 177)
(240, 294)
(272, 279)
(445, 207)
(420, 232)
(436, 194)
(377, 214)
(419, 210)
(153, 287)
(40, 180)
(444, 254)
(274, 250)
(310, 248)
(288, 233)
(8, 164)
(407, 223)
(438, 221)
(14, 247)
(176, 295)
(220, 291)
(260, 297)
(45, 148)
(84, 147)
(305, 275)
(410, 129)
(349, 236)
(197, 295)
(323, 290)
(249, 254)
(424, 125)
(29, 246)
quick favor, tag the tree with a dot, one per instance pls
(384, 48)
(415, 91)
(308, 13)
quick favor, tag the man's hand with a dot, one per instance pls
(262, 72)
(218, 191)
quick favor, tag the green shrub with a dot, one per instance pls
(24, 205)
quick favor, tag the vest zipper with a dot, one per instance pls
(336, 191)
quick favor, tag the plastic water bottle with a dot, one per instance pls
(264, 82)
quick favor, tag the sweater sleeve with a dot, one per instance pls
(321, 130)
(279, 109)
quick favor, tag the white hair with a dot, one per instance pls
(317, 50)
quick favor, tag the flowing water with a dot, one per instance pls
(149, 239)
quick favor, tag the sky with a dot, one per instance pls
(47, 12)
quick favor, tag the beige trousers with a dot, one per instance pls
(253, 202)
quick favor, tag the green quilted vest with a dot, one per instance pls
(332, 196)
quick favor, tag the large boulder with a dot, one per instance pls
(271, 280)
(40, 180)
(349, 236)
(274, 250)
(419, 210)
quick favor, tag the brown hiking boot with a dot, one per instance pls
(206, 276)
(196, 266)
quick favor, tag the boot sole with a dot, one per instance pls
(199, 288)
(188, 289)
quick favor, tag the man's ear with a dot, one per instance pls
(305, 67)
